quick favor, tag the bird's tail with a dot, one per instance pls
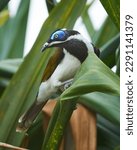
(29, 116)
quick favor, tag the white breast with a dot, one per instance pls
(67, 68)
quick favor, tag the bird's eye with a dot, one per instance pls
(56, 36)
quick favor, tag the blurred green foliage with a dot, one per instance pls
(19, 79)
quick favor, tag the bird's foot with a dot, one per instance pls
(66, 84)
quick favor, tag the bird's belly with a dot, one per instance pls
(67, 68)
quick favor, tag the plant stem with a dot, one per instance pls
(52, 141)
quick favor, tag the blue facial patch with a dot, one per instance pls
(58, 35)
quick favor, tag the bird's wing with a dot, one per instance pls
(52, 64)
(29, 116)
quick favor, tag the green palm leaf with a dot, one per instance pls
(24, 85)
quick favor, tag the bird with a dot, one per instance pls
(63, 65)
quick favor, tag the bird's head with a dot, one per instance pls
(59, 38)
(72, 41)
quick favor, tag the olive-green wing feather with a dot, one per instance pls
(52, 64)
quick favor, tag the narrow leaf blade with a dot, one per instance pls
(113, 9)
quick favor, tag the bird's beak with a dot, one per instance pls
(46, 45)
